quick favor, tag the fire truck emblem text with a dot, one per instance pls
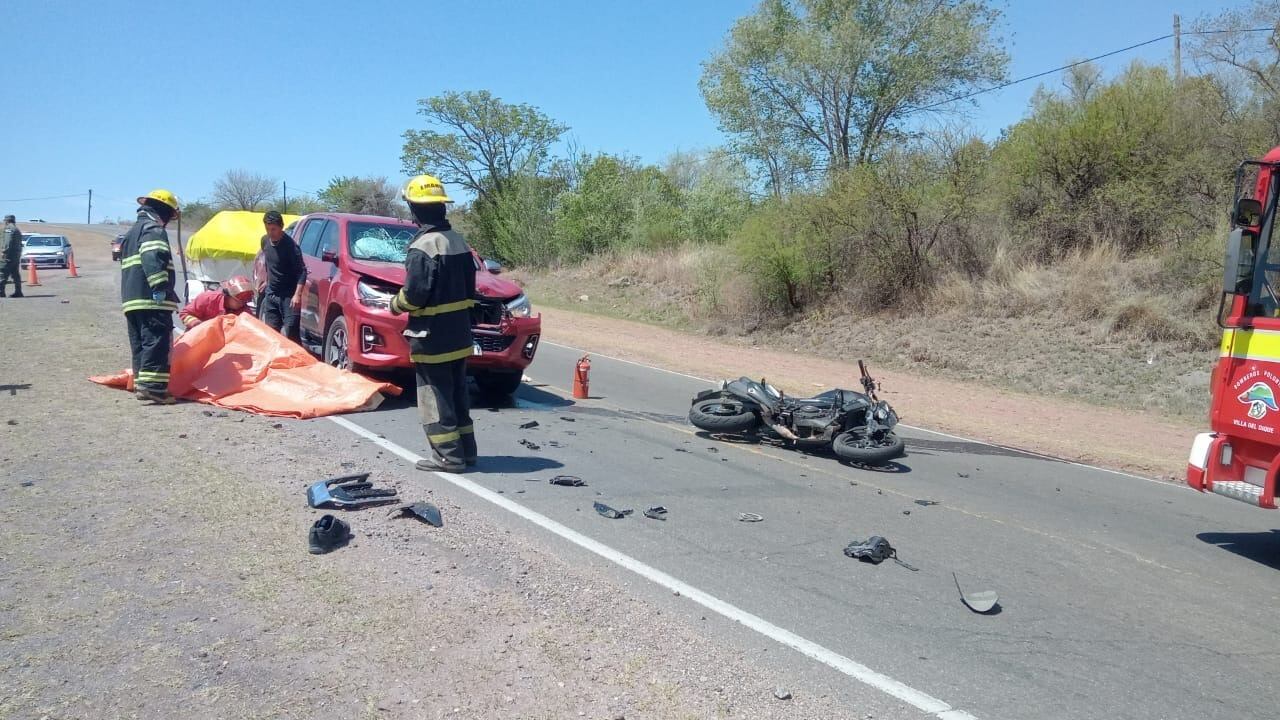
(1260, 398)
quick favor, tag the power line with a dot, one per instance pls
(1078, 63)
(51, 197)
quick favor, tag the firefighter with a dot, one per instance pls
(286, 277)
(440, 283)
(147, 283)
(233, 297)
(10, 255)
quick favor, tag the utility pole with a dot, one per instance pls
(88, 218)
(285, 186)
(1177, 47)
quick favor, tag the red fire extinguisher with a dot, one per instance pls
(581, 378)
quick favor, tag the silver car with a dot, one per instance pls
(46, 251)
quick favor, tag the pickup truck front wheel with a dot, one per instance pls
(499, 383)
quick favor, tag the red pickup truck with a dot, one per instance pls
(355, 264)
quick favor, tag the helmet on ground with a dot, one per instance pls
(239, 288)
(424, 189)
(160, 195)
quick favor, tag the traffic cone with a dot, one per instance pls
(71, 267)
(32, 277)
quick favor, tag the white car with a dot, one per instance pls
(46, 251)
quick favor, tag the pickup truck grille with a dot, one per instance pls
(494, 343)
(487, 312)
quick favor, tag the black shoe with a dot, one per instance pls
(435, 462)
(327, 534)
(154, 396)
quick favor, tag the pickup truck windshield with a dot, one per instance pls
(379, 243)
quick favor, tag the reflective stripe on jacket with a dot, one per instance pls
(146, 266)
(439, 290)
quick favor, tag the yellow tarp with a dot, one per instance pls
(230, 235)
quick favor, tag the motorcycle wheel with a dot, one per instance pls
(719, 416)
(856, 447)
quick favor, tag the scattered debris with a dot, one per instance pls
(182, 436)
(554, 443)
(424, 511)
(927, 503)
(606, 511)
(28, 483)
(280, 426)
(782, 694)
(657, 512)
(568, 419)
(530, 445)
(529, 425)
(714, 450)
(963, 475)
(875, 550)
(980, 602)
(750, 517)
(348, 492)
(567, 481)
(207, 413)
(65, 302)
(681, 450)
(12, 422)
(906, 512)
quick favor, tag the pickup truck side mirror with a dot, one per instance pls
(492, 266)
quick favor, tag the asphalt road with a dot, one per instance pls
(1120, 597)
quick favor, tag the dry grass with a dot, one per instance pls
(1096, 326)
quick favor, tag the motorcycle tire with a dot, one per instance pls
(855, 448)
(715, 416)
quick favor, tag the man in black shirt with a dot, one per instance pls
(286, 278)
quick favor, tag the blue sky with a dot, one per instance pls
(123, 96)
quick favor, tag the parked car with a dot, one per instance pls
(115, 247)
(355, 265)
(46, 250)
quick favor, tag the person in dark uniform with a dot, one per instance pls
(10, 255)
(147, 282)
(439, 290)
(286, 278)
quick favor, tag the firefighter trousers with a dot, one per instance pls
(150, 338)
(445, 408)
(9, 271)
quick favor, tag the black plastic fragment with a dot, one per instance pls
(529, 425)
(567, 481)
(424, 511)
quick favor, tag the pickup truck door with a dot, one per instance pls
(320, 273)
(308, 318)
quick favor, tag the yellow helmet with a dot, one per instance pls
(424, 189)
(161, 195)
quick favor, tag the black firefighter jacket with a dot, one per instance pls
(146, 266)
(439, 290)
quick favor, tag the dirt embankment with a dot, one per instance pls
(153, 564)
(1118, 439)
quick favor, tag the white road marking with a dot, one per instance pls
(909, 427)
(856, 670)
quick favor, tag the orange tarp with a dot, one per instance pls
(237, 362)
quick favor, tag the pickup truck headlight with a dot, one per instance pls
(373, 296)
(520, 307)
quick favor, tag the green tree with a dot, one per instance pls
(478, 141)
(713, 188)
(833, 80)
(364, 195)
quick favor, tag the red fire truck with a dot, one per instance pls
(1240, 457)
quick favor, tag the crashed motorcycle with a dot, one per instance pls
(857, 426)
